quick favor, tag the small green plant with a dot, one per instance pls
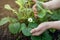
(26, 21)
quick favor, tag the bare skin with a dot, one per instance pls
(54, 4)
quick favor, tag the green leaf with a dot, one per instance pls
(4, 21)
(25, 30)
(41, 10)
(55, 15)
(13, 20)
(49, 12)
(14, 28)
(29, 11)
(35, 38)
(7, 6)
(46, 36)
(52, 30)
(32, 25)
(21, 3)
(42, 14)
(23, 26)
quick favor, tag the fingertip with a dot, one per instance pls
(32, 31)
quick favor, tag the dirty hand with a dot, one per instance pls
(40, 29)
(34, 8)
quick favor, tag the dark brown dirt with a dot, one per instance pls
(4, 12)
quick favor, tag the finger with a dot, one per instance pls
(33, 30)
(35, 15)
(34, 10)
(39, 28)
(34, 6)
(34, 0)
(37, 33)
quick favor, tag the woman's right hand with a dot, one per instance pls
(41, 28)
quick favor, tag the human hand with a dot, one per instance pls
(34, 10)
(40, 29)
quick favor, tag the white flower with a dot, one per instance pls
(30, 19)
(7, 6)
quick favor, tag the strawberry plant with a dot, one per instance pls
(26, 21)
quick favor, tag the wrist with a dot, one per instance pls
(52, 24)
(49, 24)
(51, 4)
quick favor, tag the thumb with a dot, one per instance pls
(34, 1)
